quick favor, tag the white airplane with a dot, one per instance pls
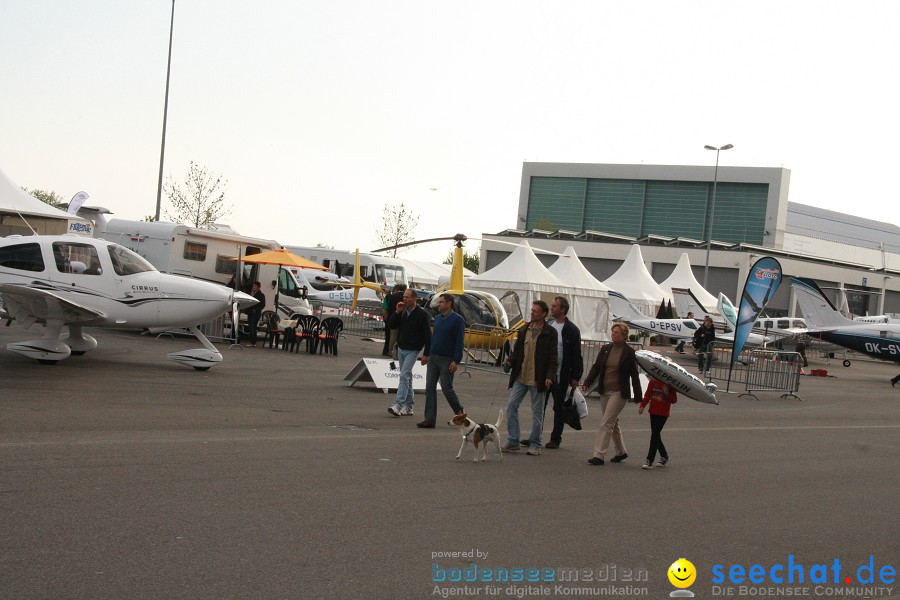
(880, 340)
(75, 282)
(725, 315)
(331, 290)
(681, 329)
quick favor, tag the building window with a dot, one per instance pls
(22, 257)
(194, 251)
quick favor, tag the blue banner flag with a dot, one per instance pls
(762, 281)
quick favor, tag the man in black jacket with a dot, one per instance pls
(413, 334)
(533, 366)
(703, 337)
(571, 366)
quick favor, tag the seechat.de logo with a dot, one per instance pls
(682, 574)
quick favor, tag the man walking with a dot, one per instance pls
(571, 366)
(443, 359)
(413, 334)
(533, 365)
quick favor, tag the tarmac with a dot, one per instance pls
(125, 475)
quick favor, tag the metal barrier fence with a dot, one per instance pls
(362, 322)
(760, 370)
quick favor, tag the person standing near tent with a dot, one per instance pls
(616, 367)
(703, 337)
(680, 347)
(447, 344)
(571, 366)
(255, 311)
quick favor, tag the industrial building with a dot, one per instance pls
(602, 209)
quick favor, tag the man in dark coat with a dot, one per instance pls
(533, 365)
(571, 366)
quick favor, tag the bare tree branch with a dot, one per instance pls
(398, 226)
(200, 202)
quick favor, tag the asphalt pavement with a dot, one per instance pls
(125, 475)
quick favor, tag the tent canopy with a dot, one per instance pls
(634, 281)
(683, 277)
(15, 201)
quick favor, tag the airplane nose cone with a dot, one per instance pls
(244, 300)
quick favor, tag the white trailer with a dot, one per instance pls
(372, 267)
(204, 254)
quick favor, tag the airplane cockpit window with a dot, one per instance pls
(76, 259)
(126, 262)
(799, 325)
(784, 324)
(22, 257)
(475, 310)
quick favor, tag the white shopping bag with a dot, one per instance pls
(580, 403)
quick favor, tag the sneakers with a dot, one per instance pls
(661, 462)
(407, 411)
(646, 464)
(510, 447)
(394, 410)
(619, 457)
(551, 445)
(595, 461)
(425, 424)
(534, 451)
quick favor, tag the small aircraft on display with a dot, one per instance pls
(332, 291)
(681, 329)
(879, 340)
(75, 282)
(725, 316)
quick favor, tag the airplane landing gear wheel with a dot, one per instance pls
(846, 363)
(79, 352)
(202, 368)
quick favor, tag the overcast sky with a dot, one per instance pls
(319, 113)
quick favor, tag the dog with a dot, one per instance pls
(480, 434)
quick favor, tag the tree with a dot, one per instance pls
(201, 201)
(471, 260)
(49, 197)
(398, 224)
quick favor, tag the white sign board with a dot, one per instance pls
(379, 372)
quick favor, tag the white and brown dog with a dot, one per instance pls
(479, 433)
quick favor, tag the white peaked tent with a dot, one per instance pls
(683, 277)
(634, 281)
(520, 272)
(588, 304)
(15, 201)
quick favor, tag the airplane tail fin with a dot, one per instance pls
(622, 308)
(816, 308)
(686, 301)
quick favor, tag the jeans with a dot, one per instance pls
(657, 422)
(407, 359)
(439, 368)
(537, 413)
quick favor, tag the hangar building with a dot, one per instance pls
(601, 209)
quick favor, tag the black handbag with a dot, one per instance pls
(570, 411)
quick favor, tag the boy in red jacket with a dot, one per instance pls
(661, 397)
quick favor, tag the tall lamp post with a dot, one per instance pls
(712, 210)
(162, 150)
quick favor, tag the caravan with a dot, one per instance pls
(205, 254)
(372, 267)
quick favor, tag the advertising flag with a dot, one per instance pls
(762, 281)
(77, 202)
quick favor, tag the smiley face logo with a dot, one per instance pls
(682, 573)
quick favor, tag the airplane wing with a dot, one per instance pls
(29, 305)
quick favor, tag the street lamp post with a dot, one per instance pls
(162, 150)
(712, 209)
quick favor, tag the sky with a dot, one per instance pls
(318, 114)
